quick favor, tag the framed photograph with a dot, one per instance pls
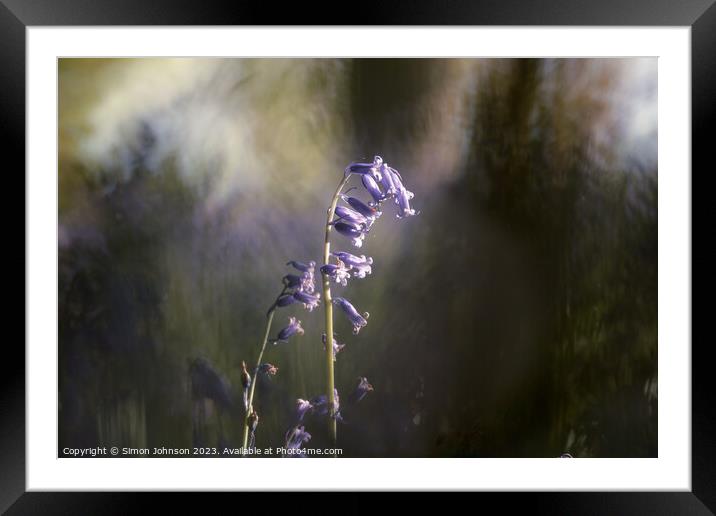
(450, 252)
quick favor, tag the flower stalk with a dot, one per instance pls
(328, 303)
(252, 389)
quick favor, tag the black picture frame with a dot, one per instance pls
(700, 15)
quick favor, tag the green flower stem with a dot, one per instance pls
(254, 379)
(327, 301)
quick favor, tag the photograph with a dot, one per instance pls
(357, 257)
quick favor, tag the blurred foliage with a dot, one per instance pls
(515, 316)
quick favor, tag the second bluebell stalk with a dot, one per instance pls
(296, 289)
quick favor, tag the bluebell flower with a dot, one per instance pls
(292, 281)
(352, 231)
(359, 168)
(360, 265)
(303, 267)
(267, 369)
(307, 278)
(340, 273)
(369, 212)
(395, 175)
(296, 436)
(377, 161)
(337, 346)
(352, 217)
(303, 282)
(393, 186)
(403, 198)
(387, 180)
(293, 328)
(363, 388)
(320, 405)
(357, 320)
(366, 168)
(373, 189)
(402, 194)
(302, 407)
(310, 301)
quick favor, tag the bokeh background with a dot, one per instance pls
(516, 316)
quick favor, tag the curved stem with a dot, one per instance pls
(254, 379)
(328, 302)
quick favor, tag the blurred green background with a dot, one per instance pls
(516, 316)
